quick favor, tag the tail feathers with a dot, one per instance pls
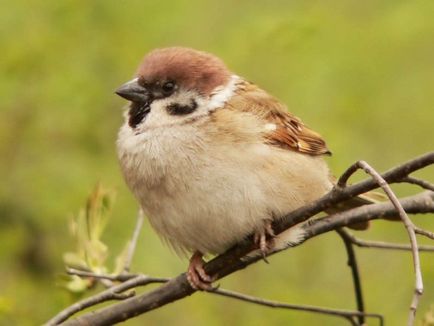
(290, 237)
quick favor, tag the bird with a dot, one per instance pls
(213, 158)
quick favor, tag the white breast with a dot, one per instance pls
(202, 195)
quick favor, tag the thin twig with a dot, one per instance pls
(352, 263)
(113, 293)
(231, 261)
(96, 299)
(133, 242)
(383, 245)
(274, 304)
(421, 183)
(423, 232)
(418, 290)
(116, 278)
(418, 204)
(228, 263)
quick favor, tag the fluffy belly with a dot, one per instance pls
(219, 205)
(208, 216)
(209, 196)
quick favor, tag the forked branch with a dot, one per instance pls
(236, 259)
(410, 227)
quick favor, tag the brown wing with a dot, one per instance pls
(282, 129)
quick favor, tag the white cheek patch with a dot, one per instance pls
(159, 116)
(223, 94)
(181, 97)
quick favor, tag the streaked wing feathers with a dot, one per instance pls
(281, 128)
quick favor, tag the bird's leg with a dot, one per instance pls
(196, 275)
(264, 239)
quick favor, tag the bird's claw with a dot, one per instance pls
(196, 275)
(264, 240)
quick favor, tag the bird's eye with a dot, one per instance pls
(168, 87)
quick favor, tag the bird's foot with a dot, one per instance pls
(196, 275)
(264, 239)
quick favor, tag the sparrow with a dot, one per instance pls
(212, 158)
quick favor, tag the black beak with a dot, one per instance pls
(134, 92)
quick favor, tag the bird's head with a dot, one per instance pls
(171, 84)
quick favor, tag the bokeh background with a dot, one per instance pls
(359, 72)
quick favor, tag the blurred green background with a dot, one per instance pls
(359, 72)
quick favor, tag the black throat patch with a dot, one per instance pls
(138, 112)
(180, 109)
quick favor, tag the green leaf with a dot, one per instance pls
(72, 259)
(78, 284)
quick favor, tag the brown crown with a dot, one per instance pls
(189, 68)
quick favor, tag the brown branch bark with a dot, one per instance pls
(141, 279)
(410, 227)
(352, 263)
(235, 259)
(229, 262)
(383, 245)
(113, 293)
(133, 242)
(349, 315)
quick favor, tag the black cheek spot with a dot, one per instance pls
(138, 112)
(179, 109)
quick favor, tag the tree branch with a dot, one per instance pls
(101, 297)
(236, 259)
(274, 304)
(113, 293)
(229, 262)
(116, 278)
(383, 245)
(410, 227)
(352, 263)
(133, 242)
(421, 183)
